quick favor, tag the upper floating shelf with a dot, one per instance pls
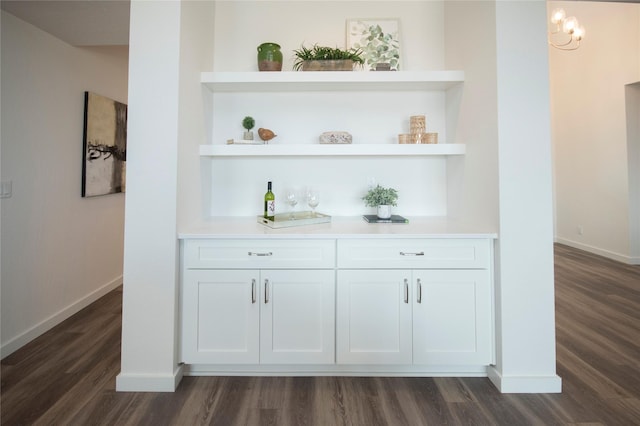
(331, 150)
(294, 81)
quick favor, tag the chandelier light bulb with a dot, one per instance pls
(569, 25)
(573, 32)
(557, 16)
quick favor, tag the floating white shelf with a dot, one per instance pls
(295, 81)
(331, 150)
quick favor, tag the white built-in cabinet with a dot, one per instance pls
(438, 312)
(420, 302)
(432, 317)
(258, 314)
(343, 302)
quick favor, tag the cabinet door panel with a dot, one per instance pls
(297, 317)
(220, 319)
(452, 317)
(373, 321)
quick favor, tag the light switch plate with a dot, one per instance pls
(6, 189)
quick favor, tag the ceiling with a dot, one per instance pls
(77, 22)
(86, 22)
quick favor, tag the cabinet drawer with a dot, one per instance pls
(415, 253)
(263, 254)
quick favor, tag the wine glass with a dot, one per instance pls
(313, 199)
(292, 200)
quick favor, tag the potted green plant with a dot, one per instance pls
(248, 123)
(322, 58)
(382, 198)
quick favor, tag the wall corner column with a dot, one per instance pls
(525, 311)
(151, 253)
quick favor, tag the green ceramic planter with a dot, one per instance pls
(269, 57)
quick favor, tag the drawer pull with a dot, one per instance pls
(266, 291)
(406, 290)
(419, 291)
(251, 253)
(253, 290)
(402, 253)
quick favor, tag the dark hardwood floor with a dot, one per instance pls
(67, 376)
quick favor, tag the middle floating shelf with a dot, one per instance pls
(318, 150)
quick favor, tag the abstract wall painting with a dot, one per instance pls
(105, 146)
(379, 40)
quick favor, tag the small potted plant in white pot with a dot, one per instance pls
(248, 123)
(383, 199)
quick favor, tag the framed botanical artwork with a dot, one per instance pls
(379, 40)
(104, 146)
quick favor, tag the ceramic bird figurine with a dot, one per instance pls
(266, 134)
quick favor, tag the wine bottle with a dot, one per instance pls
(269, 204)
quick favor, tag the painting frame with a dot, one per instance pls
(104, 146)
(379, 39)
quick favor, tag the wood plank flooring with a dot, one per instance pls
(67, 376)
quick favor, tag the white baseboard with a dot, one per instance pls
(149, 382)
(39, 329)
(354, 370)
(601, 252)
(525, 384)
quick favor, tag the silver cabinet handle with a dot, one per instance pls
(419, 291)
(266, 291)
(406, 290)
(252, 253)
(402, 253)
(253, 290)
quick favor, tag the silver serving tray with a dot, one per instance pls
(284, 220)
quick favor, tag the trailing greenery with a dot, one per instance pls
(323, 53)
(380, 196)
(248, 123)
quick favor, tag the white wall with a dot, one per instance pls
(243, 25)
(470, 46)
(196, 46)
(589, 127)
(59, 251)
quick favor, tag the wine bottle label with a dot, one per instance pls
(271, 207)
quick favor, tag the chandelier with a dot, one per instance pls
(567, 33)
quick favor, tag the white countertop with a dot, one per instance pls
(339, 227)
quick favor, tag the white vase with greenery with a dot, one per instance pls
(381, 198)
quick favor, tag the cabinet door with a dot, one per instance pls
(373, 323)
(220, 317)
(297, 318)
(452, 317)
